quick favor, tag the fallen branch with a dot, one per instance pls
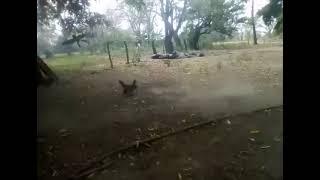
(91, 171)
(173, 132)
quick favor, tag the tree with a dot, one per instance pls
(71, 13)
(134, 12)
(253, 24)
(270, 29)
(97, 23)
(59, 48)
(150, 14)
(46, 38)
(75, 39)
(171, 13)
(273, 12)
(206, 16)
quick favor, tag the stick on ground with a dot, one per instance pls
(91, 171)
(173, 132)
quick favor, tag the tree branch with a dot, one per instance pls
(181, 18)
(162, 10)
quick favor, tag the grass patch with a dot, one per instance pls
(239, 45)
(74, 62)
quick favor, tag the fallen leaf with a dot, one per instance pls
(228, 121)
(65, 135)
(254, 131)
(54, 173)
(63, 130)
(264, 147)
(148, 145)
(244, 153)
(179, 176)
(131, 157)
(277, 139)
(187, 169)
(91, 175)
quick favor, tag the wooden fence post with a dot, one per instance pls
(111, 64)
(127, 53)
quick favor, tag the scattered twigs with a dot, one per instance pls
(172, 132)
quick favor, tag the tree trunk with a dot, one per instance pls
(185, 45)
(163, 48)
(168, 44)
(44, 74)
(194, 41)
(177, 40)
(153, 47)
(253, 25)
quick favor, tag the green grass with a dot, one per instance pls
(238, 45)
(78, 61)
(74, 62)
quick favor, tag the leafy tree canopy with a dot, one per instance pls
(273, 12)
(73, 15)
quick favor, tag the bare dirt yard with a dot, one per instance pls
(85, 116)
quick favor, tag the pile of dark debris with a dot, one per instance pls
(177, 55)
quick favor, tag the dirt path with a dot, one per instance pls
(218, 151)
(90, 107)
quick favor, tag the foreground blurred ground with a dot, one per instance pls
(85, 115)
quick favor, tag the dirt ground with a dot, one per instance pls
(85, 116)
